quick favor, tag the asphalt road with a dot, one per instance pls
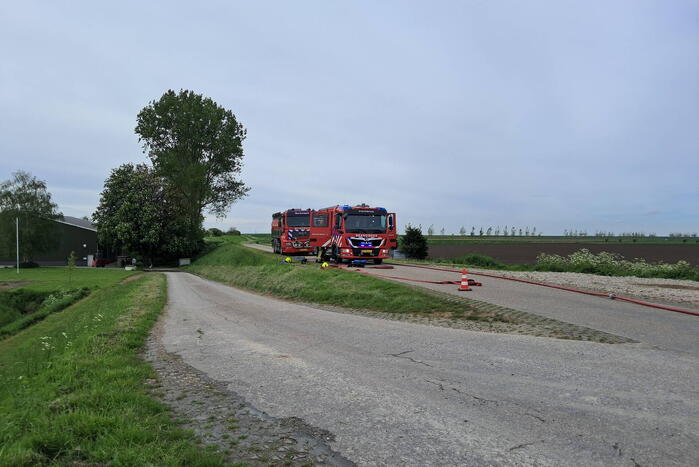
(397, 393)
(658, 328)
(654, 327)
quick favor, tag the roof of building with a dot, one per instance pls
(76, 222)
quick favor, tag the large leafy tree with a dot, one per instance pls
(197, 147)
(25, 197)
(135, 215)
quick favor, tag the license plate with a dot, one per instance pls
(366, 252)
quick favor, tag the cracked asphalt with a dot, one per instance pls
(397, 393)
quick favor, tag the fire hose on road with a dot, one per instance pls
(560, 287)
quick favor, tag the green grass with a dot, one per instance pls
(52, 278)
(74, 388)
(500, 240)
(234, 264)
(262, 239)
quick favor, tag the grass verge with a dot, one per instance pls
(74, 388)
(52, 278)
(52, 303)
(234, 264)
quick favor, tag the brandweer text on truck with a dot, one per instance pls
(353, 233)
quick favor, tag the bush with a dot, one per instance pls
(610, 264)
(413, 244)
(28, 265)
(233, 231)
(214, 232)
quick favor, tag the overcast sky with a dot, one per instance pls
(554, 114)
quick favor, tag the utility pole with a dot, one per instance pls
(17, 236)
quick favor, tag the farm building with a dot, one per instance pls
(76, 235)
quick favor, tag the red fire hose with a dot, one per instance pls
(560, 287)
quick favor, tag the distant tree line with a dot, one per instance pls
(511, 231)
(506, 231)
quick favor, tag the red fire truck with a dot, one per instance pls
(291, 232)
(353, 233)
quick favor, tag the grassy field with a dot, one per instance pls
(74, 390)
(58, 277)
(234, 264)
(262, 239)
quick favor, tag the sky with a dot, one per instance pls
(548, 114)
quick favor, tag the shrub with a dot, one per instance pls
(413, 244)
(233, 231)
(610, 264)
(214, 232)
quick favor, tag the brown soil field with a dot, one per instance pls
(526, 253)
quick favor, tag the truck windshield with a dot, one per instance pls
(365, 223)
(298, 220)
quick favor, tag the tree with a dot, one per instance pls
(462, 230)
(430, 230)
(137, 215)
(196, 146)
(442, 231)
(214, 232)
(25, 197)
(233, 231)
(413, 244)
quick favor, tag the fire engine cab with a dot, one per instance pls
(353, 233)
(291, 232)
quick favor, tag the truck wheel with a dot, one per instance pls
(378, 260)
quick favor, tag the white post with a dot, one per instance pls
(17, 235)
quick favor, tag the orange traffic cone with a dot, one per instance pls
(464, 282)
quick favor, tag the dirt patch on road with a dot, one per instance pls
(13, 285)
(224, 419)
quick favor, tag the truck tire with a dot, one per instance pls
(378, 260)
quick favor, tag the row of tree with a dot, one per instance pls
(490, 231)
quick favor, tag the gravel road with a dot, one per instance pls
(396, 393)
